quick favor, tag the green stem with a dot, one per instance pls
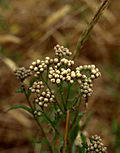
(62, 95)
(38, 123)
(51, 122)
(42, 78)
(68, 93)
(76, 113)
(47, 73)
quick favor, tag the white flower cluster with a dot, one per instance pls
(85, 86)
(60, 69)
(36, 87)
(39, 66)
(93, 71)
(96, 145)
(22, 73)
(56, 76)
(60, 51)
(86, 74)
(67, 62)
(63, 61)
(45, 97)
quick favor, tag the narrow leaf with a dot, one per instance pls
(20, 106)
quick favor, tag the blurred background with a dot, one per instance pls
(29, 29)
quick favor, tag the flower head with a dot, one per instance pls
(60, 51)
(22, 73)
(45, 97)
(96, 145)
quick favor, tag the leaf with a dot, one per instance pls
(19, 91)
(20, 106)
(32, 81)
(82, 150)
(84, 140)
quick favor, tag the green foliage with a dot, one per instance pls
(20, 106)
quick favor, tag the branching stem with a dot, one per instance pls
(38, 123)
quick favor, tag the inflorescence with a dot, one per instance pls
(59, 69)
(45, 97)
(96, 145)
(21, 73)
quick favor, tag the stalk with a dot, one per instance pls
(88, 29)
(38, 123)
(66, 132)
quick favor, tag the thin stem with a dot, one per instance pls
(38, 123)
(61, 94)
(66, 132)
(51, 122)
(50, 90)
(68, 93)
(47, 73)
(76, 113)
(88, 29)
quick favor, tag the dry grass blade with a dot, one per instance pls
(9, 39)
(8, 62)
(56, 16)
(88, 29)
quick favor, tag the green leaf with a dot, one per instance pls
(82, 150)
(20, 106)
(32, 81)
(84, 140)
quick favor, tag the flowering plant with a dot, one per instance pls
(54, 94)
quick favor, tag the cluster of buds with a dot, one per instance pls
(21, 73)
(86, 74)
(36, 87)
(96, 145)
(37, 113)
(39, 66)
(67, 62)
(45, 97)
(58, 62)
(60, 51)
(93, 72)
(56, 76)
(85, 87)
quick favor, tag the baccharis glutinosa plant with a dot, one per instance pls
(54, 94)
